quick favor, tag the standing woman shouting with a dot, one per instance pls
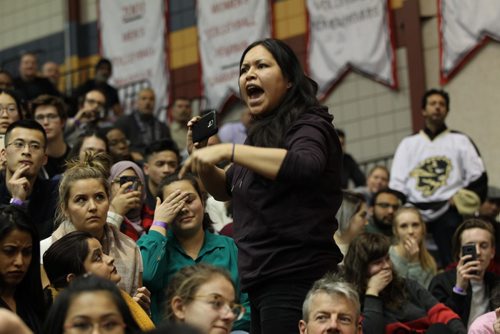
(284, 184)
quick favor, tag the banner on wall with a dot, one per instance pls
(347, 35)
(465, 26)
(132, 37)
(225, 29)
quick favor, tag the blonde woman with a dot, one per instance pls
(409, 255)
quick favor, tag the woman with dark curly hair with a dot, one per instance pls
(391, 304)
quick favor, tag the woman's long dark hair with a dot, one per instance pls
(66, 256)
(29, 292)
(16, 98)
(269, 130)
(363, 250)
(91, 283)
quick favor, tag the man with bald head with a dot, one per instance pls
(29, 84)
(141, 127)
(50, 70)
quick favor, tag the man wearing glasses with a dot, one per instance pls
(25, 154)
(385, 203)
(50, 112)
(91, 116)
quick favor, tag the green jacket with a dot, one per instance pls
(163, 256)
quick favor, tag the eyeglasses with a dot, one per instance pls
(387, 205)
(220, 304)
(49, 117)
(119, 141)
(10, 108)
(21, 144)
(86, 327)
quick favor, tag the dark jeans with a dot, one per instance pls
(277, 306)
(442, 230)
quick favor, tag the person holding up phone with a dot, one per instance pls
(284, 184)
(127, 198)
(89, 116)
(466, 289)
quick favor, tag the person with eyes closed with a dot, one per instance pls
(390, 303)
(20, 282)
(203, 296)
(90, 304)
(284, 183)
(181, 235)
(79, 253)
(83, 206)
(410, 257)
(20, 183)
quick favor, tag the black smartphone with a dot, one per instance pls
(133, 179)
(469, 250)
(205, 127)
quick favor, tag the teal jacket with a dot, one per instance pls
(163, 256)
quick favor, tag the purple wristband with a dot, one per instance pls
(159, 223)
(459, 290)
(17, 201)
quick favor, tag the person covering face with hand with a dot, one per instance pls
(409, 255)
(390, 303)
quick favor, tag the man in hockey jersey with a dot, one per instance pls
(432, 166)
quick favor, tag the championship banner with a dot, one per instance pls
(464, 27)
(225, 29)
(133, 37)
(353, 34)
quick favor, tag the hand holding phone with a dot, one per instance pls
(205, 127)
(133, 179)
(470, 249)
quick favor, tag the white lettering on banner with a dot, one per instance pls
(134, 41)
(345, 34)
(225, 29)
(465, 26)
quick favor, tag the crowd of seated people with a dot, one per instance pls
(112, 222)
